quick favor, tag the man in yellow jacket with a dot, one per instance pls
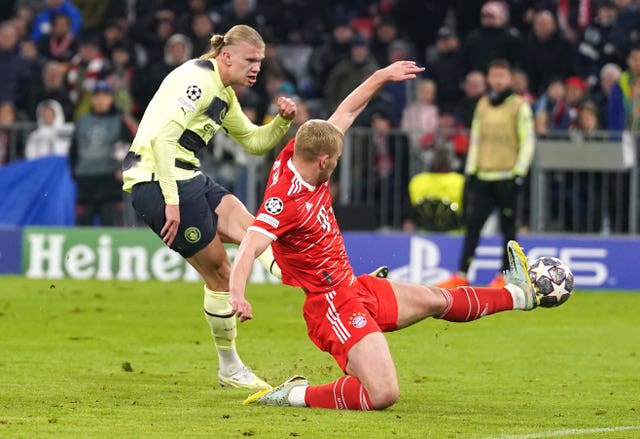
(500, 154)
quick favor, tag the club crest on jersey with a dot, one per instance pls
(274, 205)
(358, 320)
(194, 92)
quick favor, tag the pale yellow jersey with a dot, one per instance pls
(188, 108)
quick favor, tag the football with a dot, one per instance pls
(553, 279)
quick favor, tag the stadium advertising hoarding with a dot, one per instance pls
(597, 263)
(10, 246)
(106, 254)
(138, 254)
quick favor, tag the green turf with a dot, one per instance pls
(114, 359)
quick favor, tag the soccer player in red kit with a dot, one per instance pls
(347, 315)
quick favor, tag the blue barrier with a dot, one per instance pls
(37, 192)
(10, 250)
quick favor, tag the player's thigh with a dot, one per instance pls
(417, 302)
(197, 220)
(212, 264)
(370, 360)
(233, 219)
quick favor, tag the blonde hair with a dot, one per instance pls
(316, 137)
(238, 33)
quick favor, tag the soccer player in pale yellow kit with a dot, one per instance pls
(192, 214)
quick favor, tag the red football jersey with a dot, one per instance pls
(308, 245)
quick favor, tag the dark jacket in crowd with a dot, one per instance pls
(546, 60)
(485, 44)
(15, 77)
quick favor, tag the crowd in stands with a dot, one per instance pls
(577, 62)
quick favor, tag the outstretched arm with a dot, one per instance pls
(358, 99)
(253, 244)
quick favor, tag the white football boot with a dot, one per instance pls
(243, 378)
(519, 284)
(278, 396)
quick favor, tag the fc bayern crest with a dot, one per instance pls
(274, 205)
(194, 92)
(358, 320)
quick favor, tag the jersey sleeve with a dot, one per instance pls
(254, 139)
(277, 215)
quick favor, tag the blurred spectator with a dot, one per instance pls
(326, 56)
(200, 30)
(420, 118)
(15, 70)
(626, 29)
(155, 42)
(420, 20)
(85, 68)
(494, 39)
(22, 22)
(114, 35)
(573, 17)
(576, 89)
(474, 87)
(521, 86)
(8, 142)
(240, 12)
(467, 16)
(445, 67)
(384, 34)
(587, 121)
(623, 103)
(274, 79)
(548, 55)
(185, 19)
(551, 112)
(398, 50)
(596, 47)
(177, 50)
(51, 85)
(43, 22)
(92, 12)
(60, 44)
(121, 75)
(53, 135)
(609, 76)
(349, 73)
(93, 158)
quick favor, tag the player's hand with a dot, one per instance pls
(402, 71)
(286, 107)
(172, 221)
(240, 307)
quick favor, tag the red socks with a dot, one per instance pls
(469, 303)
(345, 393)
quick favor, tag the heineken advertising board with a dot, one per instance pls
(108, 253)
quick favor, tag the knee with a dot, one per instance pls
(384, 397)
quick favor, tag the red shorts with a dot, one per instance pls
(338, 319)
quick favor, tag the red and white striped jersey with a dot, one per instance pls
(308, 245)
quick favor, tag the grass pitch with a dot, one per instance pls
(117, 359)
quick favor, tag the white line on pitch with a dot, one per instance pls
(569, 431)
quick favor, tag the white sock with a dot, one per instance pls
(296, 396)
(518, 296)
(222, 323)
